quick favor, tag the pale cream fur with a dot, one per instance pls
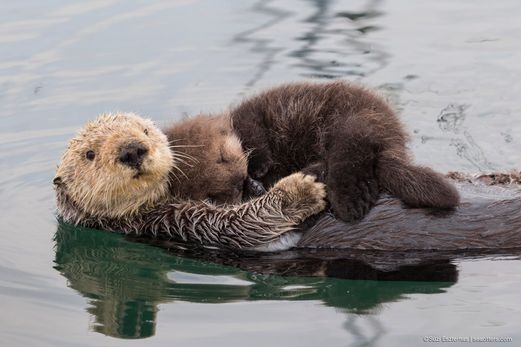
(104, 186)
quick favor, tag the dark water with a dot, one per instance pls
(452, 68)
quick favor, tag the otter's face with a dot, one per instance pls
(209, 163)
(115, 165)
(230, 171)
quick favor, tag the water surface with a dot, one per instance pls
(451, 68)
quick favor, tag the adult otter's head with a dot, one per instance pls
(211, 165)
(116, 165)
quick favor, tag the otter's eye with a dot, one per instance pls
(90, 155)
(145, 131)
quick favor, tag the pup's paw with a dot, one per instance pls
(303, 195)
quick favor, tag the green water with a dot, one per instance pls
(126, 282)
(451, 68)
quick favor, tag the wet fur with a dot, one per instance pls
(249, 225)
(344, 134)
(104, 193)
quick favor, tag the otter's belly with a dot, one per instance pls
(489, 217)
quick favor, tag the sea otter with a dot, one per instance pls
(346, 135)
(489, 218)
(116, 175)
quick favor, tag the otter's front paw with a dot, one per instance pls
(303, 195)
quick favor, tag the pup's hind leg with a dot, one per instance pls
(351, 178)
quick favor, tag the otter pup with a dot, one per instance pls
(116, 174)
(213, 164)
(344, 134)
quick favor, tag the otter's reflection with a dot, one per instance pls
(125, 281)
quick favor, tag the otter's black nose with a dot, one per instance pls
(132, 154)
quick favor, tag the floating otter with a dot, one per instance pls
(103, 194)
(115, 175)
(343, 133)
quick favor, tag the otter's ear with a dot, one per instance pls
(57, 181)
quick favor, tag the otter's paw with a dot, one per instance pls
(303, 195)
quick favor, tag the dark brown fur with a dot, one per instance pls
(342, 132)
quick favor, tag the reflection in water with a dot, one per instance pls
(329, 51)
(333, 42)
(125, 281)
(260, 45)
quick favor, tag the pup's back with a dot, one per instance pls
(352, 131)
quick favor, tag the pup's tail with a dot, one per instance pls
(416, 186)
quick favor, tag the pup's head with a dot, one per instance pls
(210, 162)
(115, 165)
